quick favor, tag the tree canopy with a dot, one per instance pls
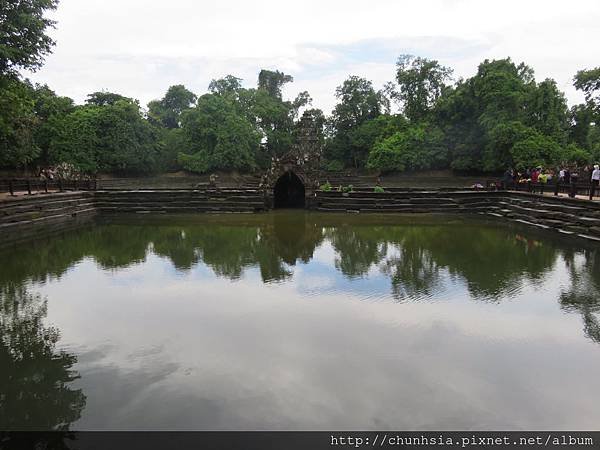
(501, 116)
(23, 38)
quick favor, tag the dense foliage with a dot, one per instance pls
(499, 117)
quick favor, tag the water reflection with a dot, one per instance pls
(265, 321)
(35, 377)
(418, 260)
(583, 296)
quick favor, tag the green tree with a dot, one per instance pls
(49, 109)
(112, 138)
(365, 136)
(547, 111)
(105, 98)
(272, 82)
(17, 123)
(275, 117)
(582, 118)
(23, 39)
(588, 81)
(358, 102)
(217, 137)
(167, 111)
(420, 82)
(481, 115)
(229, 85)
(418, 147)
(536, 150)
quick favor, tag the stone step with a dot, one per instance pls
(28, 215)
(46, 199)
(22, 208)
(239, 198)
(168, 209)
(48, 218)
(182, 204)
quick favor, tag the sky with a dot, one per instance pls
(139, 48)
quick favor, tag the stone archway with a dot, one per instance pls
(289, 191)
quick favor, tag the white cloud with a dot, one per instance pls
(139, 48)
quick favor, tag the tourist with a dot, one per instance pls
(535, 175)
(574, 179)
(595, 180)
(542, 180)
(507, 179)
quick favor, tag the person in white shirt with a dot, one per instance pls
(595, 180)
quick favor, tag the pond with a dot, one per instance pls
(295, 320)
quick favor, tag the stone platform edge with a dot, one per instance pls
(26, 216)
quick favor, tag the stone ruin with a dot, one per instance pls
(303, 160)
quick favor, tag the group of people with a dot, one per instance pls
(538, 178)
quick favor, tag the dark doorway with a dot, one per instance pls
(288, 191)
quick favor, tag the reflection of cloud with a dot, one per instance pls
(164, 345)
(222, 355)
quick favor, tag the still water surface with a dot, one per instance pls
(300, 321)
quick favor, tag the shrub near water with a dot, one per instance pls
(325, 187)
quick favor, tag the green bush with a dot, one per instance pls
(326, 187)
(334, 165)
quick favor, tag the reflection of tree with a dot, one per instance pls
(491, 260)
(584, 294)
(358, 249)
(271, 242)
(34, 376)
(284, 240)
(413, 272)
(112, 246)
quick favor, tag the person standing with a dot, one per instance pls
(574, 180)
(595, 180)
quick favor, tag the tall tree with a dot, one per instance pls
(104, 98)
(421, 82)
(492, 105)
(17, 124)
(358, 102)
(272, 81)
(23, 38)
(547, 111)
(274, 116)
(217, 137)
(588, 81)
(167, 111)
(49, 109)
(109, 138)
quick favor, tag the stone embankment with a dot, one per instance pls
(181, 201)
(26, 216)
(567, 216)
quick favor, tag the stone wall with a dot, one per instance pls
(24, 217)
(567, 216)
(180, 201)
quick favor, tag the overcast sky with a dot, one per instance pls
(139, 48)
